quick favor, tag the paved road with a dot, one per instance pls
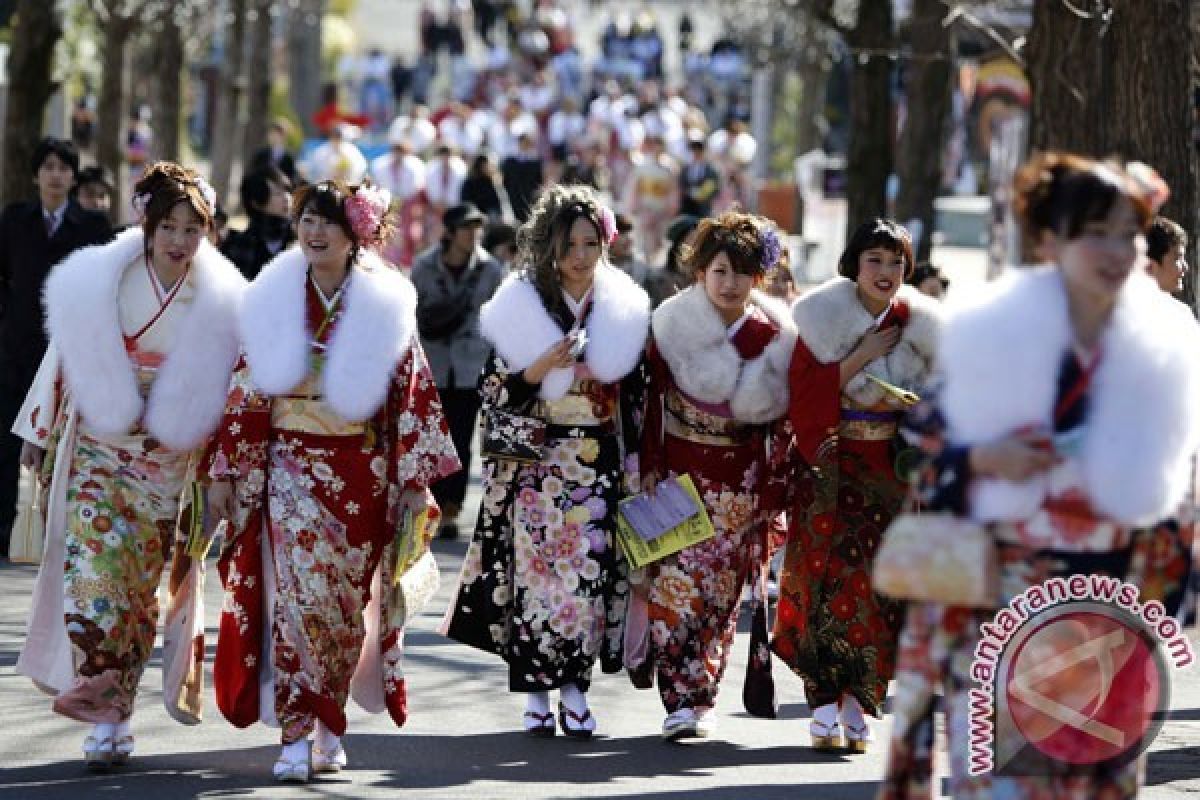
(462, 739)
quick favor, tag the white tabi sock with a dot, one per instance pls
(103, 730)
(326, 741)
(575, 700)
(852, 712)
(297, 751)
(538, 703)
(827, 715)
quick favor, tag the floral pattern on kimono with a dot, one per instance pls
(937, 644)
(123, 499)
(694, 596)
(544, 584)
(831, 627)
(328, 503)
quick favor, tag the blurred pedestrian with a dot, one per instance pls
(34, 236)
(266, 196)
(276, 153)
(524, 175)
(94, 190)
(480, 189)
(454, 278)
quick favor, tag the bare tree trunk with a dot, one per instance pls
(258, 71)
(869, 157)
(924, 134)
(814, 76)
(228, 120)
(1111, 91)
(304, 60)
(166, 108)
(37, 29)
(1065, 61)
(110, 111)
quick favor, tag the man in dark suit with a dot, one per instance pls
(523, 176)
(698, 180)
(276, 154)
(34, 236)
(267, 200)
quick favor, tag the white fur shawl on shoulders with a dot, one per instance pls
(694, 342)
(188, 396)
(831, 322)
(373, 333)
(517, 324)
(1001, 356)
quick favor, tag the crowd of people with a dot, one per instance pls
(323, 412)
(611, 320)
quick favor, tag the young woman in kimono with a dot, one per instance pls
(543, 583)
(718, 378)
(143, 337)
(1066, 419)
(332, 433)
(860, 333)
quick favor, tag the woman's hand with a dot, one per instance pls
(1017, 458)
(220, 500)
(874, 345)
(650, 482)
(31, 457)
(877, 344)
(557, 357)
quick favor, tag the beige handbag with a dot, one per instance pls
(938, 558)
(29, 528)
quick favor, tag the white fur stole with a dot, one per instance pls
(831, 322)
(694, 342)
(188, 396)
(1001, 356)
(517, 324)
(372, 335)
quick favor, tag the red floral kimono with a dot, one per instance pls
(831, 628)
(694, 595)
(321, 497)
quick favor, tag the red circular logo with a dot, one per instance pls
(1085, 687)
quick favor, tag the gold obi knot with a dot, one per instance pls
(868, 426)
(311, 414)
(573, 408)
(685, 420)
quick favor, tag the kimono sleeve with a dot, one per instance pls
(499, 387)
(653, 450)
(631, 405)
(424, 451)
(238, 449)
(36, 419)
(815, 403)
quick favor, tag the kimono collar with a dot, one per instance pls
(373, 333)
(187, 397)
(708, 365)
(831, 322)
(520, 328)
(1001, 358)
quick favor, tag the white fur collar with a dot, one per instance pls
(1001, 356)
(188, 395)
(831, 322)
(519, 327)
(373, 333)
(693, 341)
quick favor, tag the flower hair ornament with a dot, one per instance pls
(608, 222)
(140, 202)
(365, 210)
(1148, 183)
(772, 249)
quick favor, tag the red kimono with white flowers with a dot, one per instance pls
(319, 501)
